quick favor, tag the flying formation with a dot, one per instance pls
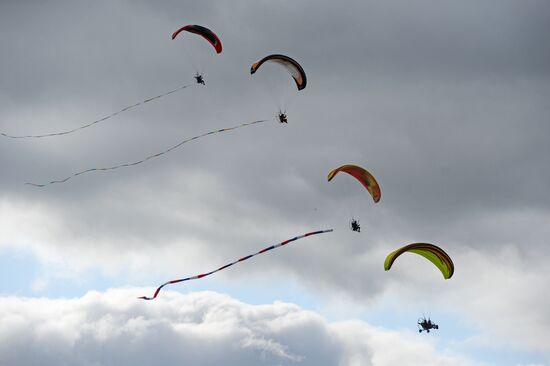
(205, 33)
(291, 66)
(366, 179)
(432, 253)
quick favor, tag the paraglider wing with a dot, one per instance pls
(363, 176)
(288, 63)
(204, 32)
(431, 252)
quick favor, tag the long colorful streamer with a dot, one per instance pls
(235, 262)
(144, 159)
(96, 121)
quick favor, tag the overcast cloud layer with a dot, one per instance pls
(446, 103)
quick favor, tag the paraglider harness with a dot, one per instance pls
(426, 325)
(354, 225)
(199, 79)
(282, 117)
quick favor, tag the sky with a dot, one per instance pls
(444, 102)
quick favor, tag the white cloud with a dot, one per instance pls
(206, 328)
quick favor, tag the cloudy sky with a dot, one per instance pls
(444, 102)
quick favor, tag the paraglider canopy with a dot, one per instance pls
(431, 252)
(288, 63)
(363, 176)
(202, 31)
